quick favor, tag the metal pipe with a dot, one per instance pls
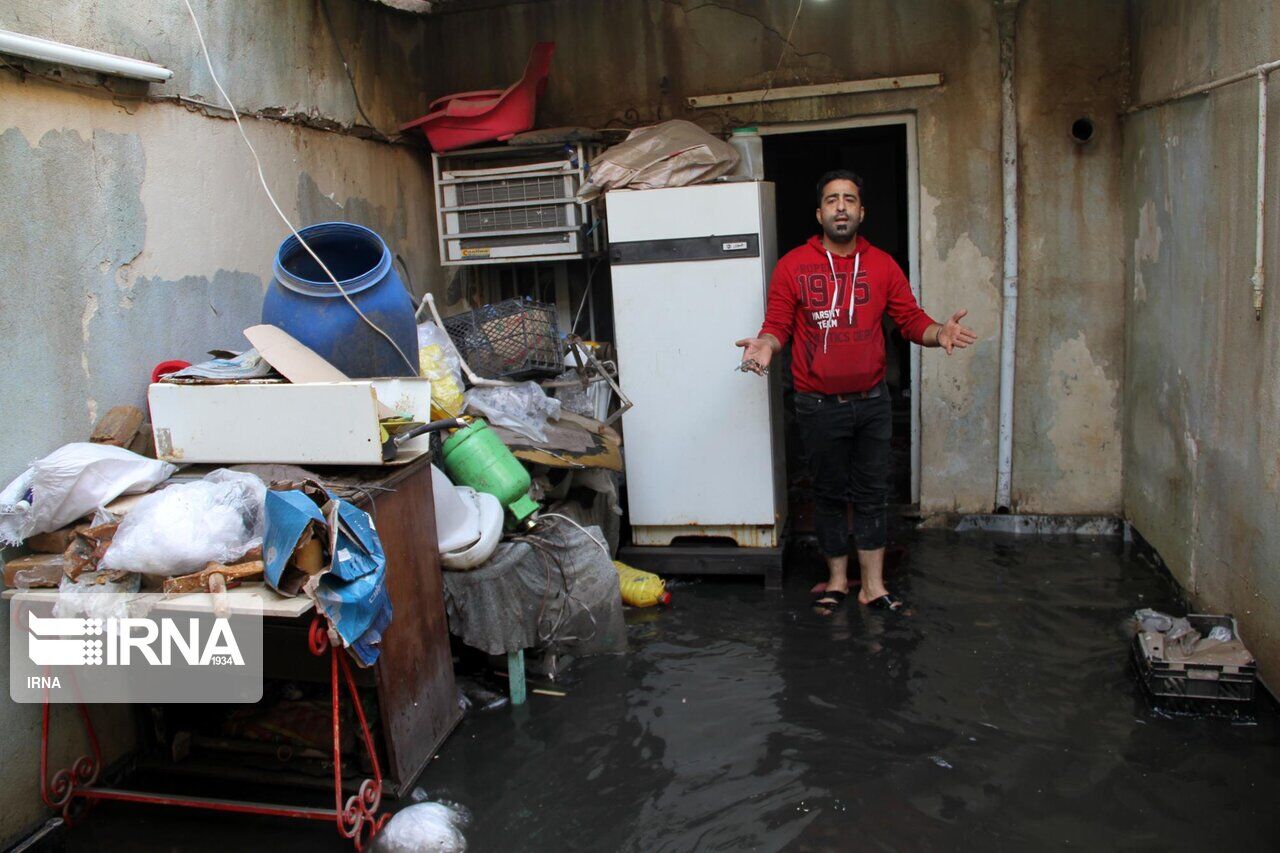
(1264, 68)
(1006, 15)
(1259, 251)
(1260, 72)
(45, 50)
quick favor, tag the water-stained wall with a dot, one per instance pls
(1202, 374)
(631, 62)
(136, 231)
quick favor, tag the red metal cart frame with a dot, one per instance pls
(74, 789)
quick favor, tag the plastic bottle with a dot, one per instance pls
(750, 149)
(641, 589)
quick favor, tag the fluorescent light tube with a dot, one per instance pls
(58, 53)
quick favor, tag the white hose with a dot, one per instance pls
(263, 179)
(466, 368)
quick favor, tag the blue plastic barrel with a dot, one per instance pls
(306, 304)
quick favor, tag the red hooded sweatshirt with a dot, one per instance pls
(838, 341)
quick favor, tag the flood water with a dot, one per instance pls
(1000, 714)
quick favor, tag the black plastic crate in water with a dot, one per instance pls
(1188, 685)
(512, 339)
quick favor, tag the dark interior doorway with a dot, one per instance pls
(794, 162)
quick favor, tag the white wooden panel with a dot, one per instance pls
(313, 423)
(251, 598)
(821, 90)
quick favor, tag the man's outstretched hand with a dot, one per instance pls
(954, 336)
(756, 354)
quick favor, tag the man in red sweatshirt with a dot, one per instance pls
(827, 297)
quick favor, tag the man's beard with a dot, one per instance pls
(847, 236)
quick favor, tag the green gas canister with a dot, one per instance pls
(476, 457)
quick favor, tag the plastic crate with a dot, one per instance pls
(512, 339)
(1193, 687)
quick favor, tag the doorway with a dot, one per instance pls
(882, 150)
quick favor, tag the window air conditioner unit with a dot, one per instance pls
(505, 212)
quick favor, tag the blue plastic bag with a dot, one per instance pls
(351, 592)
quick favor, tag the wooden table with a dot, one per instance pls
(416, 691)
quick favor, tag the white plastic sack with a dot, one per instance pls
(424, 828)
(72, 482)
(671, 154)
(85, 597)
(179, 529)
(524, 408)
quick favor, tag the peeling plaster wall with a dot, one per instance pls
(150, 238)
(271, 55)
(1202, 399)
(632, 62)
(1067, 401)
(136, 231)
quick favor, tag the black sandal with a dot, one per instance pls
(885, 602)
(837, 598)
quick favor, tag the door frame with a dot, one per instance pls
(907, 119)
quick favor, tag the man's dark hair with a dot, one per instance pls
(838, 175)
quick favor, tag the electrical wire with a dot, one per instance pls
(781, 57)
(408, 279)
(355, 93)
(603, 547)
(549, 552)
(262, 178)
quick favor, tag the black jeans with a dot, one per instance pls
(848, 445)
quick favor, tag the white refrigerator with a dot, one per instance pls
(703, 446)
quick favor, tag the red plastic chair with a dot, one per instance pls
(468, 118)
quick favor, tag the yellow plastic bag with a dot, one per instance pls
(446, 389)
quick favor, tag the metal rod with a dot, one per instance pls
(210, 803)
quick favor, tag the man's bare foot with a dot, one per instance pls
(885, 601)
(830, 596)
(866, 595)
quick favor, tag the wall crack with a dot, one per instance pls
(764, 26)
